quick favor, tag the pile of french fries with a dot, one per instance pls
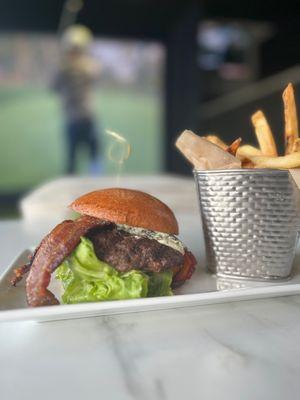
(266, 155)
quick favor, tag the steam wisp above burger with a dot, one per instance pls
(123, 246)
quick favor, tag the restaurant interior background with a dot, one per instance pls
(165, 66)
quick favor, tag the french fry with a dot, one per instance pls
(216, 140)
(291, 132)
(216, 154)
(296, 146)
(264, 134)
(247, 164)
(232, 149)
(284, 162)
(245, 151)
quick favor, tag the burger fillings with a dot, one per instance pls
(123, 246)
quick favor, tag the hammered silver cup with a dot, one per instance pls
(251, 220)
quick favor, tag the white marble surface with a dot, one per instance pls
(236, 351)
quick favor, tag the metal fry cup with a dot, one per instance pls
(251, 221)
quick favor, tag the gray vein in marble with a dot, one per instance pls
(244, 357)
(160, 390)
(289, 301)
(126, 365)
(263, 321)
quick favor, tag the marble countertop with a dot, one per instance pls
(237, 351)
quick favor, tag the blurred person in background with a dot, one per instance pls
(74, 83)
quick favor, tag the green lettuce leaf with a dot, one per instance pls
(160, 284)
(85, 278)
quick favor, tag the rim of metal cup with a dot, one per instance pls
(240, 171)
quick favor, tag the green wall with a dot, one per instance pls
(32, 144)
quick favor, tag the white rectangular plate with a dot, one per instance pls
(202, 289)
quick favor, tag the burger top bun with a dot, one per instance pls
(130, 207)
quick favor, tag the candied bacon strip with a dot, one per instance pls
(232, 149)
(54, 248)
(23, 269)
(186, 271)
(19, 273)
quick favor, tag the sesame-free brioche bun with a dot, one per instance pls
(130, 207)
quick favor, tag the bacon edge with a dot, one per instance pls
(186, 272)
(54, 248)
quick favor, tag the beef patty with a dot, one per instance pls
(126, 252)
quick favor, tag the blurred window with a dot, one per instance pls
(128, 99)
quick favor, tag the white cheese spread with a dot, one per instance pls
(161, 237)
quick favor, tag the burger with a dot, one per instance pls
(122, 246)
